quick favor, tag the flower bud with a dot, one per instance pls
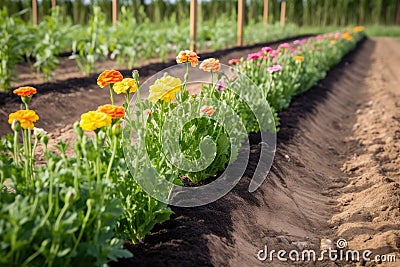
(135, 75)
(116, 129)
(45, 140)
(70, 195)
(16, 126)
(78, 130)
(39, 133)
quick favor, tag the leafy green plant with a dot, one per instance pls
(49, 40)
(10, 45)
(71, 209)
(294, 68)
(93, 46)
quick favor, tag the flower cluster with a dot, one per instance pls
(291, 68)
(109, 114)
(187, 56)
(25, 118)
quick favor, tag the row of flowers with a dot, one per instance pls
(79, 208)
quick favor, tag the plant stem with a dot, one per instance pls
(97, 166)
(85, 221)
(16, 147)
(26, 155)
(186, 77)
(111, 94)
(114, 149)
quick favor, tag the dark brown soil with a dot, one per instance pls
(336, 172)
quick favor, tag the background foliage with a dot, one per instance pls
(301, 12)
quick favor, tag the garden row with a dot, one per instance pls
(77, 209)
(127, 42)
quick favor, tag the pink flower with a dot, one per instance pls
(234, 61)
(221, 85)
(266, 49)
(284, 46)
(207, 110)
(274, 53)
(300, 42)
(274, 68)
(254, 56)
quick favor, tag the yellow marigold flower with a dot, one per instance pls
(347, 36)
(25, 117)
(164, 89)
(298, 58)
(126, 85)
(25, 91)
(94, 120)
(210, 65)
(207, 110)
(188, 56)
(109, 77)
(333, 42)
(113, 111)
(359, 29)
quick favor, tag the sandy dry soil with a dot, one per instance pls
(336, 172)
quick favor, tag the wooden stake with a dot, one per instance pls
(398, 13)
(240, 23)
(283, 12)
(35, 12)
(265, 17)
(115, 11)
(193, 24)
(53, 3)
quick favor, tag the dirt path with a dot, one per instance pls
(369, 206)
(336, 172)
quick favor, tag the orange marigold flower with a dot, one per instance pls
(94, 120)
(25, 91)
(347, 36)
(25, 117)
(188, 56)
(210, 65)
(109, 77)
(207, 110)
(359, 29)
(298, 58)
(126, 85)
(114, 112)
